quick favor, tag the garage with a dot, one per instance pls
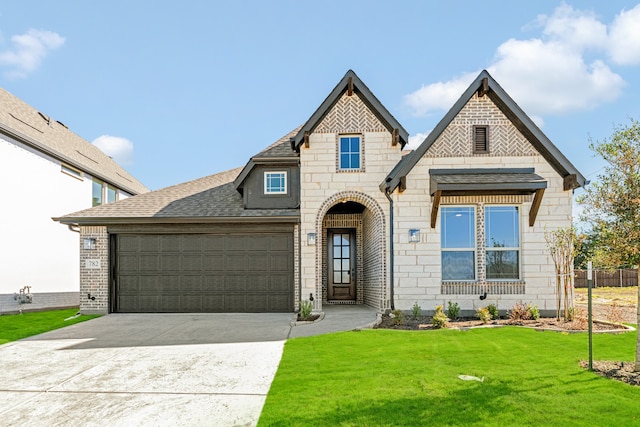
(202, 273)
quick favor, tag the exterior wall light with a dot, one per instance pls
(89, 243)
(414, 236)
(311, 239)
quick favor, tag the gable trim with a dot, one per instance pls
(352, 85)
(483, 85)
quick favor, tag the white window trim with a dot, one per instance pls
(475, 243)
(266, 180)
(519, 248)
(72, 172)
(360, 151)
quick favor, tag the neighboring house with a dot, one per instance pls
(45, 171)
(336, 212)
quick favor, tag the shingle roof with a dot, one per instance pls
(474, 180)
(25, 124)
(209, 199)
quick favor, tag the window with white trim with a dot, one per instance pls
(502, 242)
(349, 157)
(458, 243)
(275, 182)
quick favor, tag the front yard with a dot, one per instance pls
(401, 378)
(17, 326)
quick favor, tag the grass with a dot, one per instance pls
(621, 295)
(17, 326)
(402, 378)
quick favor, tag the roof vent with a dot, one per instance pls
(45, 117)
(62, 124)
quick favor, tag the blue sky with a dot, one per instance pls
(179, 90)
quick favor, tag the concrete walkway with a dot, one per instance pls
(154, 369)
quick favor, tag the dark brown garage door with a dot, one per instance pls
(203, 273)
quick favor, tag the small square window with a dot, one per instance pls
(481, 139)
(349, 158)
(275, 183)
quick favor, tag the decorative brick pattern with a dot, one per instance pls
(94, 282)
(493, 288)
(504, 138)
(350, 115)
(371, 247)
(489, 199)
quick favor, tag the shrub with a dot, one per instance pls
(416, 311)
(535, 312)
(483, 314)
(305, 309)
(440, 320)
(398, 317)
(453, 310)
(519, 312)
(493, 311)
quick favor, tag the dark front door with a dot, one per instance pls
(341, 264)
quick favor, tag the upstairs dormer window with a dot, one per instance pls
(481, 139)
(349, 156)
(275, 182)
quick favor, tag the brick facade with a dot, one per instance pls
(94, 271)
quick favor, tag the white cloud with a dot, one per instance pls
(416, 140)
(120, 149)
(624, 37)
(28, 51)
(549, 74)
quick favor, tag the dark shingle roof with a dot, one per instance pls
(29, 126)
(478, 180)
(209, 199)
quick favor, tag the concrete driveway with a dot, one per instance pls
(154, 369)
(127, 369)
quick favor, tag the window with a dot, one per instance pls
(349, 152)
(96, 197)
(275, 183)
(458, 243)
(112, 194)
(502, 242)
(481, 139)
(71, 171)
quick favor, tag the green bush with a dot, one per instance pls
(416, 311)
(493, 311)
(453, 310)
(535, 312)
(305, 309)
(483, 314)
(440, 320)
(398, 317)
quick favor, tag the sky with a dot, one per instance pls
(175, 91)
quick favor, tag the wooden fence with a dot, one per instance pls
(619, 278)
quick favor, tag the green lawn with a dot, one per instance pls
(410, 378)
(17, 326)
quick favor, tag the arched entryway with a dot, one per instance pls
(352, 256)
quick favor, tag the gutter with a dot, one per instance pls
(176, 220)
(391, 264)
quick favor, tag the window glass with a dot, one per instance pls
(458, 243)
(502, 240)
(96, 193)
(112, 194)
(349, 152)
(275, 182)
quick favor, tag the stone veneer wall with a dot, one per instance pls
(94, 282)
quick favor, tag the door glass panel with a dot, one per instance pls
(337, 265)
(337, 240)
(345, 277)
(337, 251)
(341, 258)
(337, 277)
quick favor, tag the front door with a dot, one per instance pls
(341, 264)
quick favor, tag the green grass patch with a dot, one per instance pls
(17, 326)
(410, 378)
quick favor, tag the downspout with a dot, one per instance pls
(74, 227)
(386, 193)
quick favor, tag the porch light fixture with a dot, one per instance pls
(89, 243)
(414, 236)
(311, 239)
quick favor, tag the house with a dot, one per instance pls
(46, 170)
(335, 212)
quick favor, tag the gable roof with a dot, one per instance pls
(486, 85)
(350, 81)
(20, 121)
(204, 200)
(277, 153)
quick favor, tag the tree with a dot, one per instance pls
(612, 203)
(562, 244)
